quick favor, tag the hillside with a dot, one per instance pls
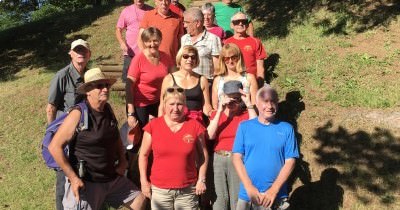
(339, 90)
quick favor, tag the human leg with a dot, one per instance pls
(233, 184)
(127, 62)
(123, 192)
(162, 199)
(221, 189)
(60, 189)
(186, 199)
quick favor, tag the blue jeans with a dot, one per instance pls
(127, 62)
(226, 183)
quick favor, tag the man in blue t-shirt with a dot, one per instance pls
(264, 155)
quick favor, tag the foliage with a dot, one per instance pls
(46, 11)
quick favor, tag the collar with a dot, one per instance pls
(74, 73)
(170, 14)
(202, 37)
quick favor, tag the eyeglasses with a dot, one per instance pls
(233, 58)
(102, 85)
(186, 56)
(238, 21)
(173, 89)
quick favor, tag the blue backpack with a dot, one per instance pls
(52, 129)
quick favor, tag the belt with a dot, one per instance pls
(224, 153)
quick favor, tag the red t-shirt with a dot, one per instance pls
(252, 50)
(171, 28)
(174, 153)
(226, 130)
(149, 77)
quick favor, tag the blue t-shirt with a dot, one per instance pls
(264, 149)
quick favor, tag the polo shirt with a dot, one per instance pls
(62, 91)
(207, 45)
(171, 28)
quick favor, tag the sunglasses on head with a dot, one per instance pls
(173, 89)
(233, 57)
(101, 85)
(186, 56)
(238, 21)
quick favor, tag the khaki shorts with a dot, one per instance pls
(182, 199)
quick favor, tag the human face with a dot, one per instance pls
(99, 91)
(231, 59)
(163, 6)
(188, 60)
(267, 106)
(139, 3)
(174, 108)
(80, 55)
(234, 103)
(152, 44)
(239, 23)
(208, 18)
(190, 25)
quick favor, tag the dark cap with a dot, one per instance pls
(232, 87)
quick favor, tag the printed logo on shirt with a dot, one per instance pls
(187, 138)
(247, 48)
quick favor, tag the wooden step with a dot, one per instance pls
(111, 67)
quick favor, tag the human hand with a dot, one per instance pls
(124, 48)
(254, 195)
(132, 121)
(200, 187)
(76, 185)
(223, 102)
(268, 198)
(146, 188)
(245, 97)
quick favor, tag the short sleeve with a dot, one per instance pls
(291, 148)
(149, 127)
(238, 144)
(216, 47)
(121, 20)
(56, 91)
(134, 67)
(260, 54)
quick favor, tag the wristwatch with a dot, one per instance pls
(130, 114)
(250, 107)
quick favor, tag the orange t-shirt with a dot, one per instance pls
(171, 28)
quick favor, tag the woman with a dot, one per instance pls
(145, 76)
(176, 143)
(231, 67)
(195, 86)
(223, 125)
(209, 21)
(96, 149)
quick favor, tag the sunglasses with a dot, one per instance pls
(233, 58)
(173, 89)
(186, 56)
(101, 85)
(235, 100)
(238, 21)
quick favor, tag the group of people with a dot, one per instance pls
(194, 87)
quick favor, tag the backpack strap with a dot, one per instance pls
(84, 120)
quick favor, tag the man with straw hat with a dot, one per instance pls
(96, 150)
(63, 95)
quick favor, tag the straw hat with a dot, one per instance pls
(92, 76)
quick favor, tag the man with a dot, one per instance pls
(96, 164)
(63, 95)
(224, 11)
(264, 155)
(129, 21)
(208, 45)
(252, 49)
(169, 23)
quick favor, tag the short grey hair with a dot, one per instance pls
(269, 90)
(195, 13)
(239, 13)
(208, 6)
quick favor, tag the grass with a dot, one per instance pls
(339, 78)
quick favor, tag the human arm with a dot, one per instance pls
(251, 79)
(250, 107)
(260, 70)
(144, 153)
(207, 108)
(201, 185)
(252, 191)
(121, 41)
(51, 112)
(213, 126)
(139, 41)
(56, 148)
(215, 60)
(130, 88)
(165, 84)
(268, 197)
(214, 90)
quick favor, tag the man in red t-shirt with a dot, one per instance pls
(177, 7)
(252, 49)
(169, 23)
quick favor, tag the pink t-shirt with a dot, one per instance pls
(174, 163)
(149, 78)
(130, 19)
(218, 31)
(252, 50)
(226, 130)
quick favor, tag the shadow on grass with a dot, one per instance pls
(323, 194)
(269, 67)
(369, 161)
(289, 111)
(276, 16)
(43, 43)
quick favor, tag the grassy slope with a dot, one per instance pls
(341, 79)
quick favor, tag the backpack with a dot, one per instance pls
(52, 129)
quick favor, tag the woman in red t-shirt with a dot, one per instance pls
(178, 147)
(223, 125)
(145, 75)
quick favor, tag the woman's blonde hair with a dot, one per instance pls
(228, 49)
(187, 49)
